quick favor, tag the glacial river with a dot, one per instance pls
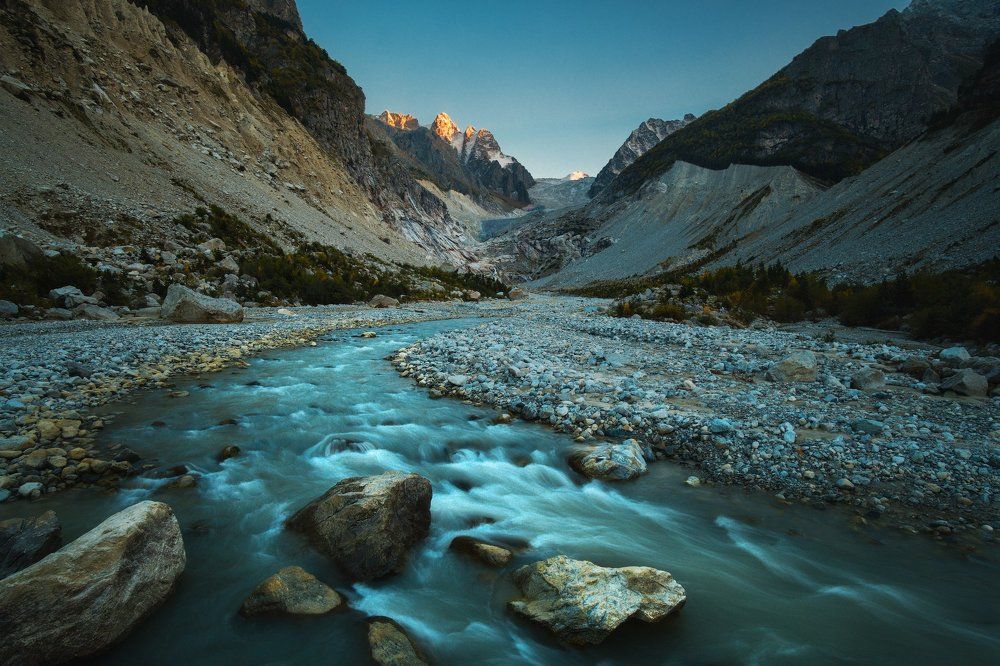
(766, 582)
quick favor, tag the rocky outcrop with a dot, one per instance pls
(638, 143)
(383, 301)
(188, 306)
(390, 645)
(368, 525)
(611, 462)
(291, 591)
(582, 603)
(17, 252)
(24, 541)
(400, 121)
(88, 595)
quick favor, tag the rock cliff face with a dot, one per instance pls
(265, 41)
(842, 104)
(479, 165)
(638, 143)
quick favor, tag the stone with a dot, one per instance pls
(291, 591)
(869, 426)
(48, 430)
(94, 312)
(229, 265)
(59, 314)
(458, 380)
(8, 309)
(472, 295)
(517, 294)
(390, 645)
(799, 366)
(869, 379)
(85, 597)
(966, 382)
(383, 301)
(368, 525)
(487, 553)
(70, 297)
(188, 306)
(954, 355)
(30, 490)
(611, 462)
(74, 369)
(227, 452)
(582, 603)
(17, 252)
(24, 541)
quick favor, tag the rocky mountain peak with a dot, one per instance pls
(281, 9)
(577, 175)
(401, 121)
(641, 140)
(444, 127)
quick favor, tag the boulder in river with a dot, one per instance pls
(190, 307)
(582, 603)
(291, 591)
(88, 595)
(368, 525)
(611, 462)
(24, 541)
(799, 366)
(390, 645)
(487, 553)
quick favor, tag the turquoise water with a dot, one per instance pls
(766, 582)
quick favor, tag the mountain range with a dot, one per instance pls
(873, 150)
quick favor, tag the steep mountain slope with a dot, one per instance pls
(556, 193)
(114, 124)
(842, 104)
(638, 143)
(681, 215)
(935, 203)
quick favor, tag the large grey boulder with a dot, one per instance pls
(83, 598)
(612, 462)
(368, 525)
(8, 309)
(17, 252)
(966, 382)
(582, 603)
(70, 297)
(24, 541)
(383, 301)
(799, 366)
(94, 312)
(188, 306)
(291, 591)
(954, 355)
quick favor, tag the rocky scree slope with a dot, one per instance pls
(639, 142)
(557, 193)
(115, 124)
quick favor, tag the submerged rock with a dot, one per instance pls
(88, 595)
(489, 554)
(24, 541)
(190, 307)
(390, 645)
(799, 366)
(368, 525)
(291, 591)
(582, 603)
(612, 462)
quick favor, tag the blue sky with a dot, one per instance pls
(561, 84)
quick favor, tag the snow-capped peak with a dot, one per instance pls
(577, 175)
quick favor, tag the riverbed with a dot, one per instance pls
(767, 581)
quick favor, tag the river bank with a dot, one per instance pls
(740, 405)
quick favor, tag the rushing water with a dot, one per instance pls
(766, 582)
